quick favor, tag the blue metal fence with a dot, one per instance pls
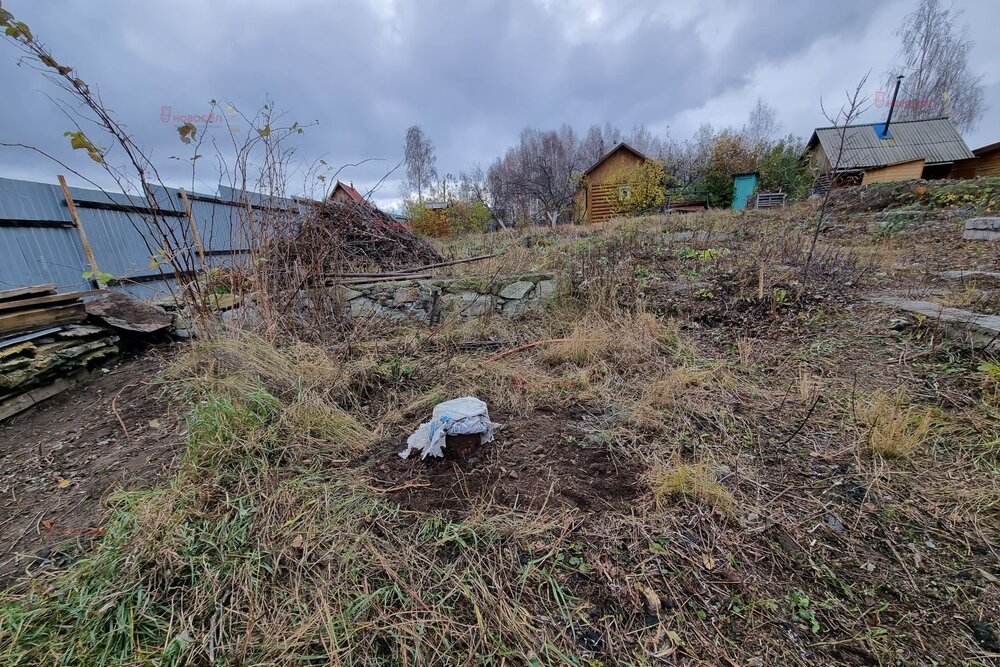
(40, 244)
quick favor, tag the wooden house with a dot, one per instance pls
(344, 193)
(988, 160)
(907, 149)
(600, 183)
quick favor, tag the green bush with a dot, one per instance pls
(468, 216)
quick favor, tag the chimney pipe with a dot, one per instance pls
(892, 107)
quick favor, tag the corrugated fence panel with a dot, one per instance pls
(37, 241)
(24, 200)
(39, 244)
(122, 243)
(34, 255)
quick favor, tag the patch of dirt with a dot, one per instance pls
(542, 460)
(61, 459)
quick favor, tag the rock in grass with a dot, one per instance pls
(517, 290)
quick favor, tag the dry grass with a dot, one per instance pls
(744, 351)
(893, 428)
(269, 548)
(520, 385)
(693, 481)
(312, 418)
(630, 340)
(666, 393)
(808, 387)
(241, 354)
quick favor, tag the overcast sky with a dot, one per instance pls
(472, 73)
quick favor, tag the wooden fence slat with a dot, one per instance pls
(87, 249)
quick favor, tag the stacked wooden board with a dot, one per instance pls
(44, 347)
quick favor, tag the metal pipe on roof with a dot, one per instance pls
(892, 106)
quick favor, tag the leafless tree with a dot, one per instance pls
(762, 126)
(687, 160)
(472, 186)
(933, 57)
(855, 105)
(500, 190)
(599, 140)
(421, 169)
(541, 173)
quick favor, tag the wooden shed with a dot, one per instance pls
(343, 193)
(892, 152)
(988, 163)
(600, 183)
(901, 171)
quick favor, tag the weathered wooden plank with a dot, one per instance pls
(49, 299)
(39, 318)
(81, 232)
(32, 290)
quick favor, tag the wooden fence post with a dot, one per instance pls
(87, 249)
(194, 230)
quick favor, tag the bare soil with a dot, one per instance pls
(543, 460)
(61, 459)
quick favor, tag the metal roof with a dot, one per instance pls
(986, 150)
(349, 189)
(935, 140)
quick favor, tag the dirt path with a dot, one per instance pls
(59, 461)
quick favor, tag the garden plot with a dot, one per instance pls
(706, 457)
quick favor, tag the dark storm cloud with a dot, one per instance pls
(471, 73)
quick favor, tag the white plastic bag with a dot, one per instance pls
(460, 416)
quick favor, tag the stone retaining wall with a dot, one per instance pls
(982, 229)
(430, 300)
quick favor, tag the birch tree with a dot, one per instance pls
(934, 59)
(421, 169)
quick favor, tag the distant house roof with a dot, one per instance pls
(619, 146)
(936, 140)
(348, 190)
(436, 205)
(986, 150)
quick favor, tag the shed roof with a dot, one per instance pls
(986, 150)
(621, 145)
(936, 140)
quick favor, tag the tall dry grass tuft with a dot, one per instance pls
(693, 481)
(630, 340)
(669, 391)
(311, 418)
(893, 428)
(239, 354)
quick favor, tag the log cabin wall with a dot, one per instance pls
(602, 183)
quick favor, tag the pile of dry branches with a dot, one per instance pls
(334, 236)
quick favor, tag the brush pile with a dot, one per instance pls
(334, 235)
(43, 347)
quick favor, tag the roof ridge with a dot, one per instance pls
(882, 122)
